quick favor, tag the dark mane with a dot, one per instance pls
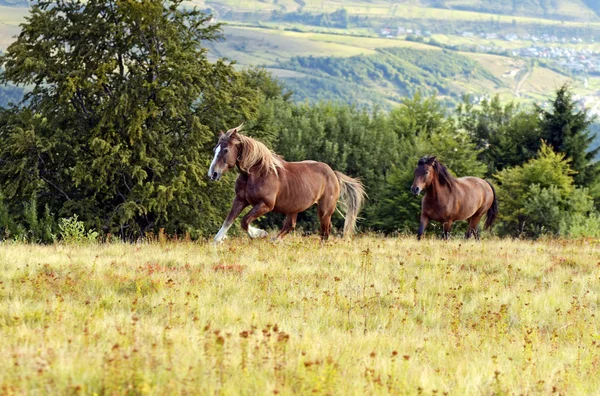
(426, 159)
(444, 176)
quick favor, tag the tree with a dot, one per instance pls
(567, 130)
(506, 134)
(122, 115)
(540, 196)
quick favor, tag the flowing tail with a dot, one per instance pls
(492, 212)
(352, 198)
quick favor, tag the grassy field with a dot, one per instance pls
(371, 316)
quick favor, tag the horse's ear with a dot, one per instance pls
(431, 161)
(234, 131)
(221, 133)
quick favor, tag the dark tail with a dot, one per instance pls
(352, 198)
(492, 212)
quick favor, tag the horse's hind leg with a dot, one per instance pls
(288, 225)
(256, 211)
(473, 228)
(325, 211)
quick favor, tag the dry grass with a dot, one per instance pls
(372, 316)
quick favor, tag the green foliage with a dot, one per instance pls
(30, 226)
(567, 130)
(73, 231)
(579, 225)
(121, 117)
(507, 135)
(115, 134)
(336, 19)
(540, 197)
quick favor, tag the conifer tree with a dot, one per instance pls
(567, 130)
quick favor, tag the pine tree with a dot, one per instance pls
(567, 130)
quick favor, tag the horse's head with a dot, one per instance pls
(424, 174)
(226, 153)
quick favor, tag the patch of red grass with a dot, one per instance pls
(230, 268)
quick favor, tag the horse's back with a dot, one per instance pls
(478, 191)
(472, 182)
(303, 183)
(469, 196)
(311, 167)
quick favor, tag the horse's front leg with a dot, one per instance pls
(237, 207)
(256, 211)
(422, 226)
(447, 227)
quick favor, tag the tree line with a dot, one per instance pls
(125, 107)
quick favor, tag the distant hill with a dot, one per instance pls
(386, 77)
(563, 10)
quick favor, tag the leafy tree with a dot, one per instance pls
(506, 134)
(567, 130)
(540, 196)
(121, 117)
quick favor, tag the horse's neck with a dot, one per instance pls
(437, 189)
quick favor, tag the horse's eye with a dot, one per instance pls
(226, 150)
(427, 172)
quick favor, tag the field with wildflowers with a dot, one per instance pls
(371, 316)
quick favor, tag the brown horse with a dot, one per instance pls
(268, 183)
(448, 199)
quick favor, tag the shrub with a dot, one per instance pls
(73, 230)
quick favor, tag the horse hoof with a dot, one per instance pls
(219, 240)
(257, 233)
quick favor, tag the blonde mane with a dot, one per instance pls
(256, 154)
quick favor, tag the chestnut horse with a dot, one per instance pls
(448, 199)
(268, 183)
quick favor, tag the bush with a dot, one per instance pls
(579, 225)
(73, 231)
(539, 198)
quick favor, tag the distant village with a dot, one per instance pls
(544, 47)
(572, 59)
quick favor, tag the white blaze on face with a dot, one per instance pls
(214, 161)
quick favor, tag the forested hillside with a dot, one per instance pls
(391, 74)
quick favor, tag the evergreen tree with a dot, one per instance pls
(121, 117)
(567, 130)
